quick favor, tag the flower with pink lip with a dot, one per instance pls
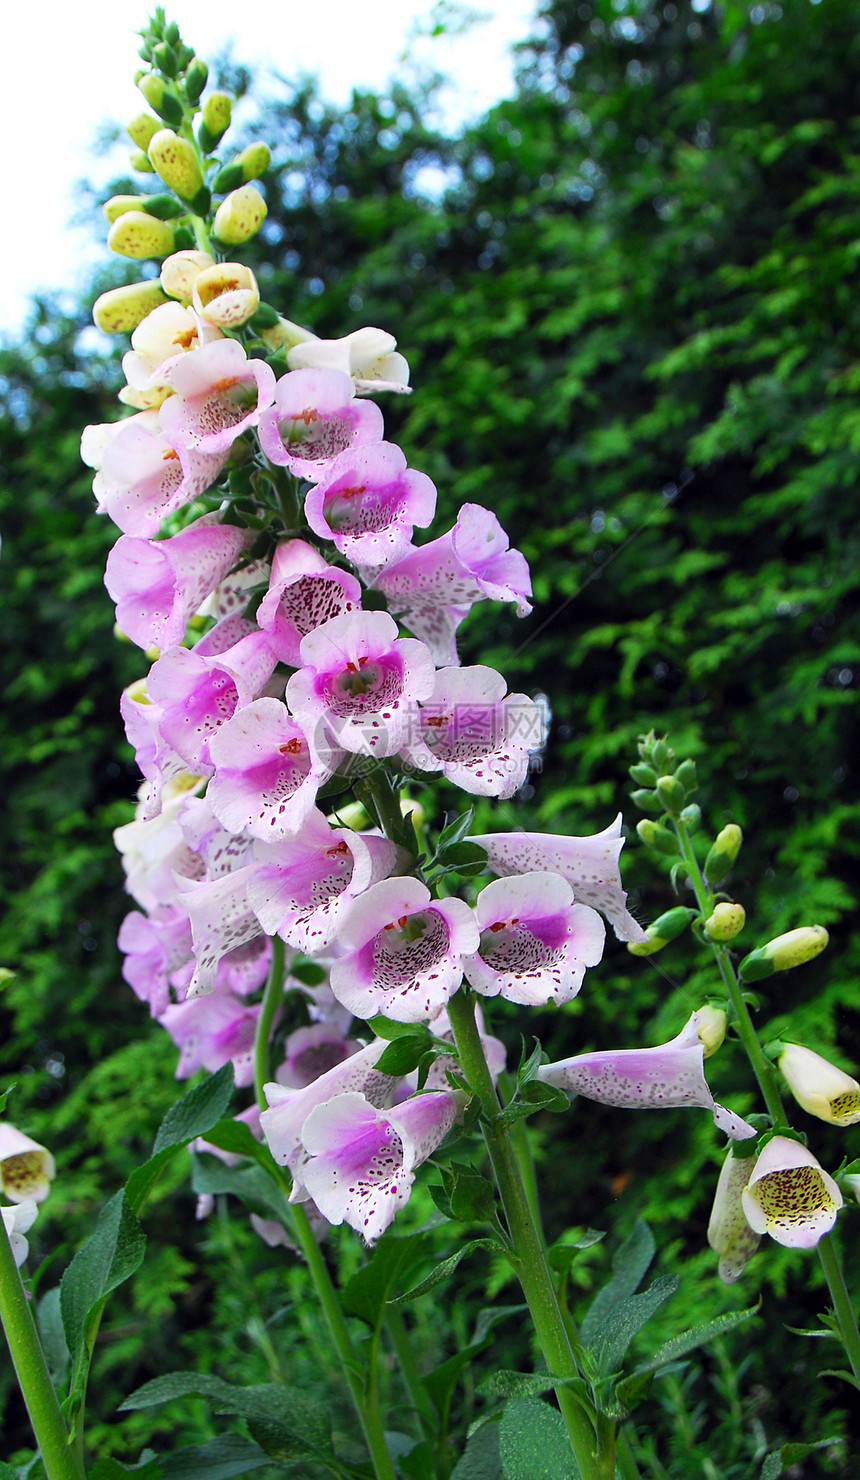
(158, 952)
(266, 774)
(590, 865)
(790, 1196)
(362, 1161)
(535, 942)
(304, 591)
(212, 1031)
(289, 1108)
(166, 333)
(219, 395)
(160, 765)
(668, 1077)
(311, 1052)
(197, 695)
(360, 682)
(158, 584)
(369, 502)
(221, 920)
(433, 587)
(140, 477)
(303, 886)
(315, 417)
(403, 952)
(478, 738)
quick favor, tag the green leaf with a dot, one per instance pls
(447, 1266)
(455, 831)
(688, 1341)
(518, 1384)
(403, 1054)
(481, 1459)
(148, 1467)
(253, 1185)
(533, 1442)
(625, 1320)
(365, 1295)
(383, 1027)
(473, 1196)
(110, 1255)
(228, 1455)
(52, 1336)
(628, 1268)
(288, 1425)
(234, 1136)
(197, 1111)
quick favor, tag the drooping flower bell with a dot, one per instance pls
(819, 1087)
(667, 1077)
(790, 1196)
(476, 733)
(535, 942)
(304, 591)
(729, 1233)
(368, 502)
(26, 1168)
(315, 418)
(18, 1221)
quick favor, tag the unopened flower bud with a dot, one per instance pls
(175, 160)
(140, 161)
(686, 774)
(725, 849)
(784, 952)
(729, 1233)
(26, 1168)
(671, 793)
(216, 115)
(667, 928)
(692, 817)
(711, 1024)
(195, 79)
(647, 801)
(240, 216)
(180, 272)
(136, 234)
(656, 836)
(226, 294)
(119, 204)
(819, 1087)
(161, 98)
(142, 127)
(254, 160)
(121, 309)
(726, 922)
(284, 334)
(165, 207)
(165, 58)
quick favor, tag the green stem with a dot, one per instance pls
(272, 999)
(61, 1460)
(842, 1306)
(625, 1460)
(368, 1415)
(557, 1342)
(380, 791)
(761, 1065)
(409, 1372)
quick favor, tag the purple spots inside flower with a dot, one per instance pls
(464, 733)
(408, 947)
(365, 686)
(515, 949)
(317, 1059)
(311, 600)
(793, 1196)
(316, 438)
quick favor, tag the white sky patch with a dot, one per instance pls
(81, 80)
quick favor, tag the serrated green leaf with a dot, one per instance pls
(447, 1266)
(286, 1424)
(253, 1185)
(383, 1027)
(148, 1467)
(197, 1111)
(505, 1384)
(455, 831)
(481, 1459)
(459, 856)
(110, 1255)
(625, 1320)
(220, 1459)
(365, 1295)
(688, 1341)
(533, 1442)
(52, 1336)
(628, 1268)
(234, 1136)
(473, 1196)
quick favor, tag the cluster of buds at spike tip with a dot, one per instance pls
(726, 921)
(664, 784)
(783, 952)
(818, 1086)
(664, 930)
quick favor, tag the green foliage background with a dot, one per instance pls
(633, 321)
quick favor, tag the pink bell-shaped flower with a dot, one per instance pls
(535, 942)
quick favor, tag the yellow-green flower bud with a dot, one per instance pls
(119, 204)
(142, 128)
(226, 294)
(726, 922)
(180, 272)
(195, 79)
(240, 216)
(137, 235)
(643, 775)
(819, 1087)
(254, 160)
(656, 836)
(711, 1024)
(140, 161)
(216, 114)
(784, 952)
(121, 309)
(165, 58)
(671, 793)
(667, 928)
(692, 817)
(161, 99)
(725, 849)
(176, 161)
(284, 334)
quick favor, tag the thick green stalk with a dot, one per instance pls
(60, 1458)
(368, 1414)
(409, 1371)
(761, 1065)
(842, 1307)
(596, 1461)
